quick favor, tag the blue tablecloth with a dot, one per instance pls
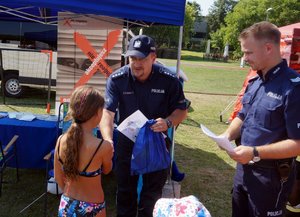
(36, 139)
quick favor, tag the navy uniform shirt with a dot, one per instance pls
(271, 107)
(157, 97)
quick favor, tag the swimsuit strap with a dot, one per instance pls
(58, 146)
(84, 170)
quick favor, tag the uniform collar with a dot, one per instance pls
(273, 72)
(148, 79)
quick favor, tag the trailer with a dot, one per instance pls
(290, 45)
(21, 66)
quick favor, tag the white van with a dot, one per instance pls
(21, 61)
(24, 66)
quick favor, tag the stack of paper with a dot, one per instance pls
(222, 141)
(132, 124)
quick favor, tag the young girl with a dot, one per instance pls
(80, 157)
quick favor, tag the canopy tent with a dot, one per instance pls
(45, 11)
(170, 12)
(288, 30)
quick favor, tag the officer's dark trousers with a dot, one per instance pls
(258, 192)
(127, 185)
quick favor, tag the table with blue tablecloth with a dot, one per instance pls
(36, 139)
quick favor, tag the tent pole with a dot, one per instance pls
(2, 77)
(179, 49)
(50, 55)
(177, 73)
(49, 88)
(126, 41)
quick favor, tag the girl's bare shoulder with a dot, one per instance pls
(106, 147)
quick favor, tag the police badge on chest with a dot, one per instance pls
(157, 91)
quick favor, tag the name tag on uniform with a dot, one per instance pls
(274, 95)
(157, 91)
(128, 92)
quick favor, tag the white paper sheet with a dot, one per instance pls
(25, 117)
(132, 124)
(3, 114)
(46, 117)
(222, 141)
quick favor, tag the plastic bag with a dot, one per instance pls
(149, 152)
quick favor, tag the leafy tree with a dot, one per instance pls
(196, 14)
(284, 12)
(167, 36)
(217, 39)
(248, 12)
(164, 36)
(196, 9)
(218, 12)
(192, 11)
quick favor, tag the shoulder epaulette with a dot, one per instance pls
(253, 78)
(293, 77)
(167, 72)
(120, 72)
(296, 80)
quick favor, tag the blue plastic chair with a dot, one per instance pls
(8, 153)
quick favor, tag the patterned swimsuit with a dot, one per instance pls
(70, 207)
(77, 208)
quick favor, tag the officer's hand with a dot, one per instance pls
(242, 154)
(160, 125)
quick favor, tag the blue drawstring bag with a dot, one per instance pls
(176, 175)
(149, 152)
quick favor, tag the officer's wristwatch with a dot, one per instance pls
(256, 157)
(169, 123)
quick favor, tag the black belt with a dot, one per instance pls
(271, 164)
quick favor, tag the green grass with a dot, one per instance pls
(209, 171)
(191, 55)
(211, 77)
(33, 100)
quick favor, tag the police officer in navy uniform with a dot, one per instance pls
(269, 127)
(157, 93)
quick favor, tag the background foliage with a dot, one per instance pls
(247, 12)
(167, 36)
(226, 19)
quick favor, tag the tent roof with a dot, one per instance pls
(289, 29)
(45, 11)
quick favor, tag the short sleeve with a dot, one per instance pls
(292, 113)
(242, 113)
(111, 95)
(177, 98)
(245, 104)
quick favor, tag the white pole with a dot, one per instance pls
(177, 73)
(126, 42)
(179, 50)
(207, 52)
(141, 31)
(242, 62)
